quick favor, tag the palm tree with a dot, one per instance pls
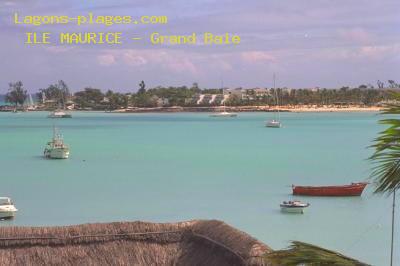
(142, 88)
(16, 94)
(386, 158)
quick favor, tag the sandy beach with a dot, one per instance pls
(263, 108)
(333, 108)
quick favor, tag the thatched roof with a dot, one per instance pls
(200, 242)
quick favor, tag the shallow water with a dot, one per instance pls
(173, 167)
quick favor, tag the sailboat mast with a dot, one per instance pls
(222, 88)
(276, 97)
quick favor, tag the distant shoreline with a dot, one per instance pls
(239, 109)
(294, 109)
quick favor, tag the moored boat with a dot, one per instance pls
(56, 149)
(7, 208)
(274, 123)
(224, 114)
(59, 114)
(294, 206)
(354, 189)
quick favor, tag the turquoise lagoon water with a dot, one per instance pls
(174, 167)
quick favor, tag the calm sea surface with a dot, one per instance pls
(174, 167)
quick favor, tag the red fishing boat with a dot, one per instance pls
(354, 189)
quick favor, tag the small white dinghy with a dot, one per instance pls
(294, 206)
(7, 208)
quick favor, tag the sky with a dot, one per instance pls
(307, 43)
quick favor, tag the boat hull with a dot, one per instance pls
(7, 211)
(224, 115)
(273, 124)
(7, 214)
(60, 116)
(294, 206)
(56, 153)
(354, 189)
(293, 209)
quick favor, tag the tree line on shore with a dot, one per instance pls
(58, 95)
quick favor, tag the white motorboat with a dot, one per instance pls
(56, 149)
(294, 206)
(7, 208)
(59, 114)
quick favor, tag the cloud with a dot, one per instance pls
(182, 65)
(225, 65)
(257, 57)
(132, 58)
(106, 59)
(175, 61)
(380, 51)
(356, 35)
(367, 53)
(9, 3)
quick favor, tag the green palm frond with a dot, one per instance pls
(393, 108)
(300, 253)
(386, 158)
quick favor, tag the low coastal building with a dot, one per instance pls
(219, 99)
(238, 92)
(205, 99)
(255, 94)
(162, 102)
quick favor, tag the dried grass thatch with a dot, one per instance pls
(301, 253)
(131, 243)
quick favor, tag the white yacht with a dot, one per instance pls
(294, 206)
(56, 149)
(7, 208)
(276, 123)
(224, 113)
(59, 114)
(273, 123)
